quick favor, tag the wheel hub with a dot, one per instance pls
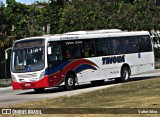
(125, 75)
(70, 81)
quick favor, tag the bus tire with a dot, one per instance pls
(97, 83)
(70, 82)
(125, 75)
(39, 90)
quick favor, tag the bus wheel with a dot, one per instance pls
(70, 82)
(39, 90)
(125, 75)
(97, 83)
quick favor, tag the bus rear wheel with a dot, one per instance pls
(39, 90)
(70, 82)
(125, 75)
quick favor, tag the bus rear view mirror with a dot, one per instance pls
(7, 51)
(49, 50)
(6, 55)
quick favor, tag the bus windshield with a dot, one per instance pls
(28, 59)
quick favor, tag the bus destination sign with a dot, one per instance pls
(28, 43)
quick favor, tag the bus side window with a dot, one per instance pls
(102, 47)
(92, 53)
(68, 55)
(77, 53)
(131, 44)
(56, 51)
(72, 49)
(117, 45)
(145, 44)
(86, 53)
(114, 45)
(88, 48)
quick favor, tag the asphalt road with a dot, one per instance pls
(11, 97)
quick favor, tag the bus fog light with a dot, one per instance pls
(41, 76)
(14, 78)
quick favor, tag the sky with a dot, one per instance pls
(25, 1)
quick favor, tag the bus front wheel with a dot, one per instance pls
(39, 90)
(70, 82)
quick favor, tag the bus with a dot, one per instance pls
(78, 57)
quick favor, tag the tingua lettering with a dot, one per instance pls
(113, 59)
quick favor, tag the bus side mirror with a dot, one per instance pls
(6, 55)
(49, 50)
(8, 50)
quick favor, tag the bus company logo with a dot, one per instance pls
(21, 111)
(69, 38)
(6, 111)
(113, 59)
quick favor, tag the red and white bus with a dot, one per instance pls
(77, 57)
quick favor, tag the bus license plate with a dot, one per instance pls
(27, 85)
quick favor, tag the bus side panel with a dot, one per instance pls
(103, 71)
(78, 66)
(146, 62)
(140, 62)
(133, 61)
(88, 75)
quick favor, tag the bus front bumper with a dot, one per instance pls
(43, 83)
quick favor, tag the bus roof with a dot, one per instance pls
(98, 34)
(88, 35)
(94, 32)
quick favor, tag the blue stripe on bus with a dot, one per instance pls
(57, 68)
(84, 67)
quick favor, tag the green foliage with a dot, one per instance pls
(101, 14)
(19, 20)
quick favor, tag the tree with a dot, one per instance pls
(2, 19)
(55, 12)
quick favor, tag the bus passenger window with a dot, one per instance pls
(92, 53)
(102, 47)
(131, 44)
(88, 48)
(77, 53)
(117, 45)
(56, 52)
(145, 44)
(86, 53)
(68, 55)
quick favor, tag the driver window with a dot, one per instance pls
(56, 52)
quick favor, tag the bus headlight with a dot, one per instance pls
(42, 75)
(14, 78)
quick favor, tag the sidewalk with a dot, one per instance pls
(5, 82)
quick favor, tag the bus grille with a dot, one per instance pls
(28, 75)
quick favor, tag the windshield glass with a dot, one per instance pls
(28, 59)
